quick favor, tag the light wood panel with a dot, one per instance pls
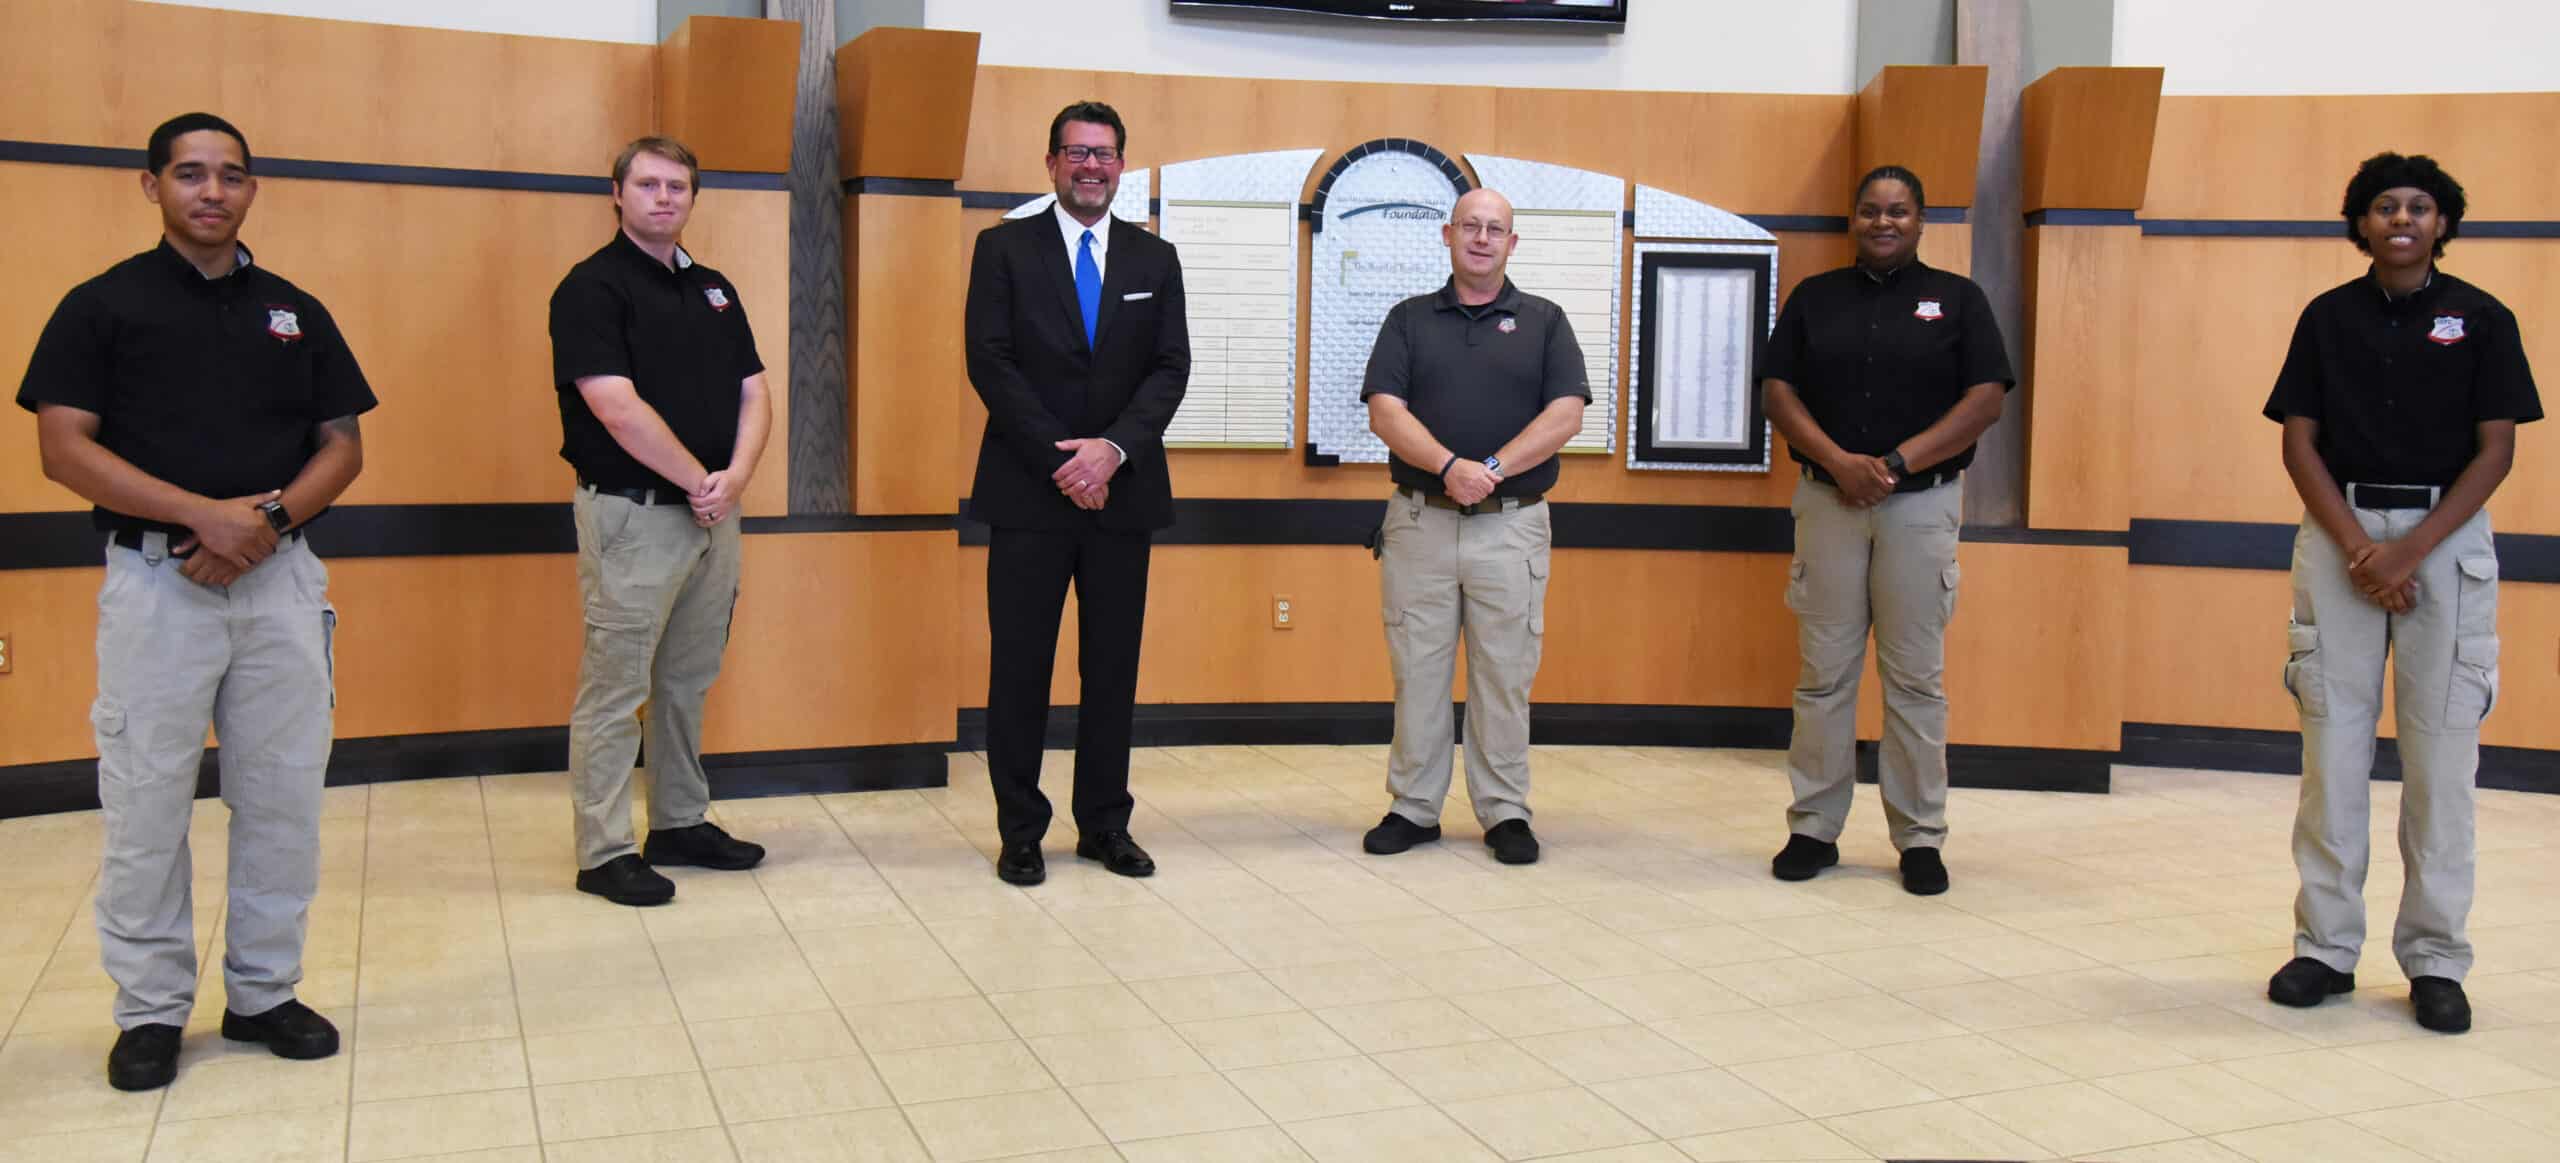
(454, 338)
(51, 618)
(904, 297)
(2207, 647)
(726, 88)
(2080, 355)
(1926, 119)
(104, 72)
(902, 102)
(1947, 246)
(2215, 316)
(2290, 157)
(2085, 133)
(841, 640)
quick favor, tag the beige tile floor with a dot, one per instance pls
(2090, 990)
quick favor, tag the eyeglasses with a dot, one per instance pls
(1490, 231)
(1080, 154)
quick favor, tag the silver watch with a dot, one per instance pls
(1493, 464)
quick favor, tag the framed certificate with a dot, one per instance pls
(1695, 392)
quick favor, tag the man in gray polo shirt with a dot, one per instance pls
(1473, 387)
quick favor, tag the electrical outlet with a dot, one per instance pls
(1283, 612)
(5, 656)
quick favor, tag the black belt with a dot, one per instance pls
(666, 496)
(2393, 496)
(1917, 482)
(132, 539)
(1487, 505)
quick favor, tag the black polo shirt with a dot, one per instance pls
(1476, 376)
(212, 385)
(2400, 386)
(679, 335)
(1878, 359)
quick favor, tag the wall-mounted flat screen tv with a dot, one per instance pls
(1605, 13)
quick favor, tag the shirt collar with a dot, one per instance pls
(1890, 277)
(622, 241)
(1507, 300)
(241, 260)
(1073, 232)
(2411, 297)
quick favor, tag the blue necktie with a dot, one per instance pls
(1088, 287)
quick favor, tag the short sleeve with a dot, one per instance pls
(1783, 355)
(2297, 390)
(338, 383)
(1566, 374)
(70, 364)
(1390, 361)
(1986, 356)
(749, 361)
(2504, 389)
(586, 332)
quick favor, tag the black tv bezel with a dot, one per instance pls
(1450, 11)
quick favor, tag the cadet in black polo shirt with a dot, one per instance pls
(207, 407)
(1473, 387)
(1881, 375)
(663, 412)
(2399, 398)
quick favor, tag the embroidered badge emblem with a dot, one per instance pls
(2448, 330)
(282, 324)
(1929, 309)
(719, 298)
(1508, 325)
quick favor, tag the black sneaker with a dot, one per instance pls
(2306, 981)
(2440, 1004)
(1512, 842)
(144, 1058)
(627, 880)
(703, 845)
(292, 1030)
(1802, 857)
(1923, 874)
(1395, 834)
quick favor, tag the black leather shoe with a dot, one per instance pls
(703, 845)
(2305, 981)
(1022, 864)
(1117, 852)
(1395, 834)
(144, 1058)
(1802, 857)
(627, 880)
(1512, 842)
(2440, 1004)
(292, 1030)
(1923, 874)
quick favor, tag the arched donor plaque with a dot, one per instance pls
(1377, 242)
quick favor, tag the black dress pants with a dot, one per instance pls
(1028, 571)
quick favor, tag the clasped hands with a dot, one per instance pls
(1086, 477)
(2386, 573)
(717, 497)
(1863, 481)
(233, 537)
(1469, 481)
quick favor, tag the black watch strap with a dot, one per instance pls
(1894, 463)
(1451, 463)
(276, 516)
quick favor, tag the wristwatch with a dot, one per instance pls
(276, 516)
(1493, 464)
(1893, 463)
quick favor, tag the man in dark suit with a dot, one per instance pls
(1078, 344)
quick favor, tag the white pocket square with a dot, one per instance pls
(1134, 296)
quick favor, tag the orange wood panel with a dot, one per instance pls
(746, 235)
(2290, 157)
(2215, 316)
(2080, 354)
(1927, 119)
(104, 72)
(51, 618)
(1947, 246)
(2034, 656)
(902, 102)
(726, 88)
(2086, 135)
(906, 286)
(841, 640)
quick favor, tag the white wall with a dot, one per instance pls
(1744, 46)
(2342, 46)
(629, 21)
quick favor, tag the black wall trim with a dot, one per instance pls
(1313, 210)
(2061, 217)
(848, 523)
(2324, 228)
(989, 199)
(1800, 223)
(2280, 752)
(53, 153)
(2522, 557)
(72, 785)
(2013, 768)
(913, 188)
(2006, 535)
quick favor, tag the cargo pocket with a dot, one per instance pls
(2474, 686)
(2303, 678)
(1948, 579)
(329, 652)
(1795, 585)
(1538, 596)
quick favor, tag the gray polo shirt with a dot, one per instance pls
(1476, 376)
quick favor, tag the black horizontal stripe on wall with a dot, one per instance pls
(72, 785)
(908, 188)
(2524, 769)
(2522, 557)
(1307, 211)
(2323, 228)
(67, 540)
(52, 153)
(2063, 217)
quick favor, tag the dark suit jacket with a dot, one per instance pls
(1042, 384)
